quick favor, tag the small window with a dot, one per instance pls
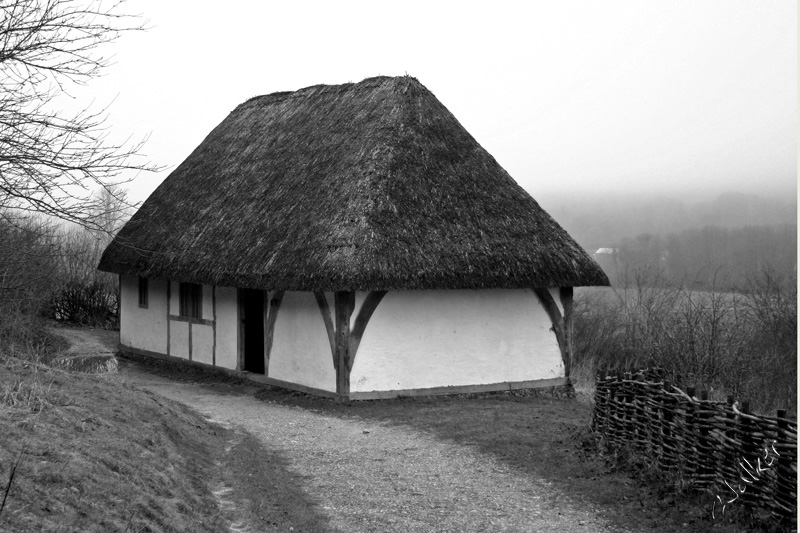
(191, 300)
(143, 292)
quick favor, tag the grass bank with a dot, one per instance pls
(81, 454)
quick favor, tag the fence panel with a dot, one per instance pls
(742, 457)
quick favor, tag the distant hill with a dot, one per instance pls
(607, 220)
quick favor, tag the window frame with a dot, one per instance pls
(190, 300)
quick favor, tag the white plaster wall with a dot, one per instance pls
(203, 343)
(301, 352)
(145, 329)
(423, 339)
(179, 339)
(227, 327)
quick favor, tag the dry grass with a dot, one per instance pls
(91, 456)
(742, 343)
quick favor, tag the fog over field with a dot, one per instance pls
(599, 220)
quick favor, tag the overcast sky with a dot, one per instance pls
(687, 97)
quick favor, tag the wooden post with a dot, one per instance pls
(749, 453)
(627, 409)
(691, 445)
(550, 307)
(667, 454)
(343, 306)
(566, 295)
(706, 457)
(786, 479)
(728, 456)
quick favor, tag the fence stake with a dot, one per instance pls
(785, 478)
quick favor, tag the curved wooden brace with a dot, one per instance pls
(362, 318)
(557, 320)
(325, 310)
(269, 333)
(344, 342)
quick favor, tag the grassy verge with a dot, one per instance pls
(80, 454)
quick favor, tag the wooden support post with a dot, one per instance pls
(344, 302)
(359, 325)
(566, 295)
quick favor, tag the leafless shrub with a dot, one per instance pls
(50, 157)
(742, 343)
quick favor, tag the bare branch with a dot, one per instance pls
(51, 161)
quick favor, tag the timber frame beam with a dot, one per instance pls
(345, 341)
(562, 325)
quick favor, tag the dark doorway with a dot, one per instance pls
(252, 302)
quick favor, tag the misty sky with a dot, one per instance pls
(685, 97)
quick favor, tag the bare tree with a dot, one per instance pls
(50, 160)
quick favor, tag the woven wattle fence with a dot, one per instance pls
(716, 445)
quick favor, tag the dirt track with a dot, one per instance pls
(356, 474)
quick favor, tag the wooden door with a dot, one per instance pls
(252, 308)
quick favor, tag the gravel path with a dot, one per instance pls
(362, 475)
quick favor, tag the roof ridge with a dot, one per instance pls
(305, 91)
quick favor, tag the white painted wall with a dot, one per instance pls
(227, 327)
(145, 329)
(202, 343)
(423, 339)
(301, 352)
(179, 339)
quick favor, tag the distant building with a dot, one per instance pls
(608, 259)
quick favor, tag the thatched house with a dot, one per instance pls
(353, 241)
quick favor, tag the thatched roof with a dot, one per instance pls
(370, 185)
